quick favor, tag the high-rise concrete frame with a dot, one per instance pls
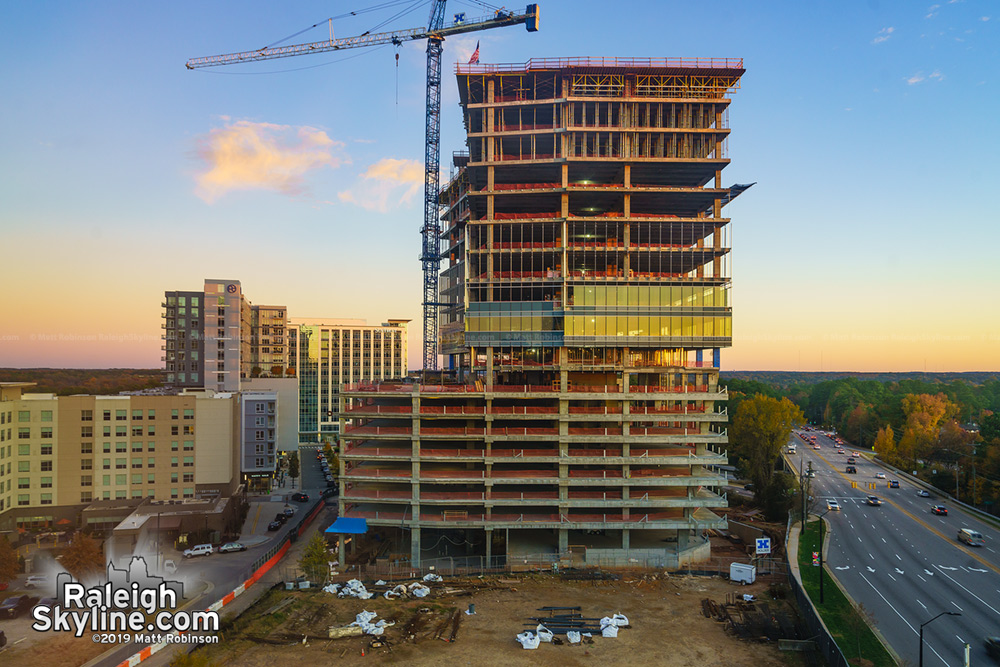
(588, 271)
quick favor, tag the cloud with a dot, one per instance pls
(245, 155)
(984, 18)
(916, 78)
(389, 182)
(883, 35)
(932, 11)
(936, 74)
(919, 77)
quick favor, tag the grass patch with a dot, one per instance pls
(849, 624)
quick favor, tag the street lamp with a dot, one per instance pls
(943, 613)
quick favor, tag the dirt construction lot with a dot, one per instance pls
(665, 614)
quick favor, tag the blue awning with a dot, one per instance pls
(346, 525)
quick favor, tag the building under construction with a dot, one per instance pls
(587, 281)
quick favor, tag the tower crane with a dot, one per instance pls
(434, 33)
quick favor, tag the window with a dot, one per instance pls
(173, 414)
(86, 415)
(24, 415)
(24, 482)
(259, 408)
(173, 478)
(23, 450)
(86, 464)
(107, 415)
(189, 445)
(189, 493)
(106, 479)
(188, 414)
(188, 430)
(122, 431)
(46, 466)
(175, 430)
(86, 448)
(46, 450)
(24, 466)
(23, 499)
(259, 462)
(151, 478)
(137, 431)
(106, 495)
(188, 461)
(120, 494)
(47, 432)
(151, 462)
(86, 431)
(151, 430)
(151, 446)
(107, 431)
(173, 461)
(107, 448)
(86, 480)
(136, 461)
(136, 414)
(151, 414)
(121, 463)
(259, 421)
(121, 479)
(121, 415)
(137, 478)
(107, 464)
(189, 478)
(46, 415)
(137, 446)
(23, 433)
(259, 435)
(121, 447)
(46, 499)
(46, 483)
(173, 445)
(86, 497)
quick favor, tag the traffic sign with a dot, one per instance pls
(763, 545)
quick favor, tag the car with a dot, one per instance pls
(199, 550)
(289, 512)
(893, 483)
(274, 525)
(923, 494)
(852, 470)
(832, 506)
(36, 581)
(810, 473)
(15, 606)
(840, 451)
(874, 501)
(855, 454)
(300, 497)
(992, 647)
(232, 546)
(169, 566)
(280, 517)
(46, 602)
(815, 446)
(971, 537)
(851, 459)
(880, 475)
(939, 509)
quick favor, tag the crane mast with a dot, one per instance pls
(434, 33)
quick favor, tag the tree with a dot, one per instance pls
(989, 428)
(83, 558)
(8, 560)
(761, 427)
(885, 445)
(315, 558)
(293, 466)
(925, 413)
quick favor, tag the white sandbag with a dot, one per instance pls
(528, 640)
(417, 589)
(573, 637)
(433, 577)
(544, 634)
(609, 631)
(380, 582)
(619, 620)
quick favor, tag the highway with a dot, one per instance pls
(902, 562)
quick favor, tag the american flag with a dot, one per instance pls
(474, 60)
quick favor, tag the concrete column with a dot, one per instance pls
(626, 540)
(683, 538)
(563, 540)
(415, 547)
(341, 554)
(489, 546)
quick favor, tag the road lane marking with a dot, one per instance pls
(960, 639)
(890, 576)
(959, 608)
(870, 556)
(968, 591)
(883, 541)
(921, 604)
(898, 558)
(923, 580)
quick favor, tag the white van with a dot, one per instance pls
(200, 550)
(971, 537)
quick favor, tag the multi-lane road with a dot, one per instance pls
(904, 563)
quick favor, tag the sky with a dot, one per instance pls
(869, 242)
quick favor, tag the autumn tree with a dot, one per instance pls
(315, 558)
(8, 561)
(761, 426)
(885, 445)
(83, 558)
(925, 414)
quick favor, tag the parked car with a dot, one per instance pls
(274, 525)
(169, 566)
(280, 517)
(880, 475)
(289, 512)
(232, 546)
(46, 602)
(875, 501)
(893, 483)
(199, 550)
(833, 506)
(939, 509)
(300, 497)
(36, 581)
(923, 494)
(15, 606)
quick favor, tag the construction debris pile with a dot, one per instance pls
(752, 620)
(577, 628)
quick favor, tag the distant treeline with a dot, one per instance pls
(66, 381)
